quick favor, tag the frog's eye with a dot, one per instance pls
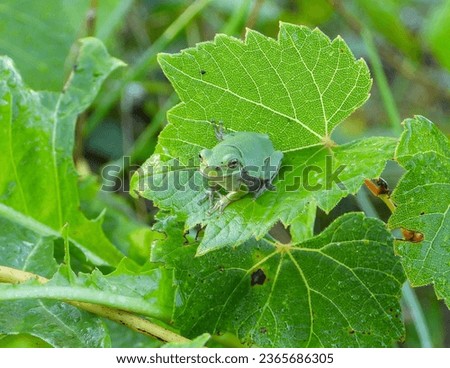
(200, 157)
(232, 164)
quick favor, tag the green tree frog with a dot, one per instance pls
(241, 163)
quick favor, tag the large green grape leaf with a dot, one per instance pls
(296, 89)
(340, 288)
(38, 185)
(182, 190)
(423, 205)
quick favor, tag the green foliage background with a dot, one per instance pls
(410, 71)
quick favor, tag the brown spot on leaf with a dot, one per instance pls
(258, 277)
(263, 330)
(412, 236)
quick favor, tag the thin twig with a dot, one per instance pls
(91, 18)
(136, 323)
(90, 27)
(409, 296)
(254, 14)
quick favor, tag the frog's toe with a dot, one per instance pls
(216, 208)
(203, 199)
(261, 191)
(219, 130)
(270, 186)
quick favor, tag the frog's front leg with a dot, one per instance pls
(225, 200)
(210, 194)
(219, 130)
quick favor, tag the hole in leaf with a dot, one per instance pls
(258, 277)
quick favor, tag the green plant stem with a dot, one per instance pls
(146, 62)
(237, 19)
(143, 146)
(253, 17)
(114, 20)
(91, 18)
(136, 323)
(409, 296)
(381, 80)
(364, 203)
(404, 66)
(417, 315)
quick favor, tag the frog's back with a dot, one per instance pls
(251, 144)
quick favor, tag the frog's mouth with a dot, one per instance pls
(216, 172)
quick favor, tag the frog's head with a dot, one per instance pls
(221, 161)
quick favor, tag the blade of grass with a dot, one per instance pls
(364, 203)
(237, 19)
(417, 316)
(401, 64)
(381, 81)
(409, 296)
(144, 145)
